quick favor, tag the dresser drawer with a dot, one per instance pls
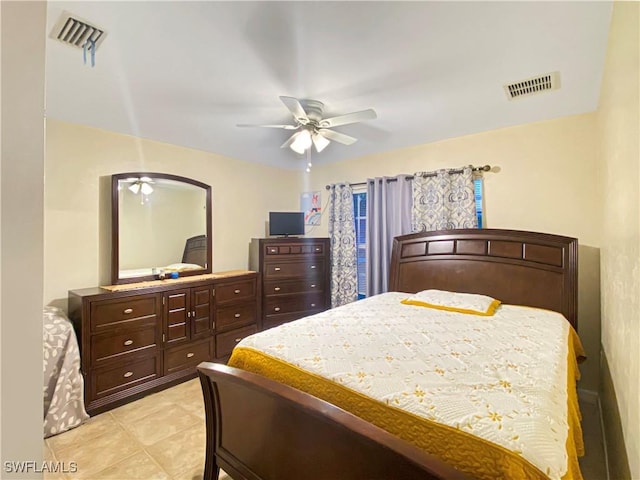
(109, 346)
(105, 381)
(226, 341)
(295, 249)
(227, 292)
(187, 356)
(235, 316)
(294, 303)
(309, 268)
(304, 285)
(130, 312)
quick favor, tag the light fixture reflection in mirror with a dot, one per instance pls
(161, 223)
(142, 186)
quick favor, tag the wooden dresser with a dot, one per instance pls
(295, 277)
(137, 340)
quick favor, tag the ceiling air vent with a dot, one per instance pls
(532, 86)
(74, 31)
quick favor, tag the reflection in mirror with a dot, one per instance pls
(161, 224)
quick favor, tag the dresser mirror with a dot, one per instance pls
(160, 226)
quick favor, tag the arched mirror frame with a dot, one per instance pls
(115, 230)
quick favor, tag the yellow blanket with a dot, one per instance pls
(468, 453)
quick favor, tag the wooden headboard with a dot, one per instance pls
(195, 250)
(515, 267)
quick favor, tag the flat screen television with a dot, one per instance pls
(286, 223)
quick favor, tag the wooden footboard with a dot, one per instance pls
(259, 429)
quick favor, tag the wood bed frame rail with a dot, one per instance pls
(289, 435)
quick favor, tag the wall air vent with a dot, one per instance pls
(71, 30)
(533, 86)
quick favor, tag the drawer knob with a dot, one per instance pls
(277, 309)
(238, 339)
(313, 304)
(313, 285)
(128, 310)
(237, 315)
(128, 374)
(236, 291)
(277, 269)
(317, 249)
(128, 342)
(313, 266)
(190, 354)
(277, 289)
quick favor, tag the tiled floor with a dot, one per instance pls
(162, 437)
(159, 437)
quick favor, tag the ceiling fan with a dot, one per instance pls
(311, 128)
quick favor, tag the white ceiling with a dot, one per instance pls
(187, 72)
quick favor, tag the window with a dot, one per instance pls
(360, 218)
(477, 190)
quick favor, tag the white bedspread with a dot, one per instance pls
(502, 377)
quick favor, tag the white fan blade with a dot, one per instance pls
(286, 127)
(337, 137)
(354, 117)
(296, 109)
(291, 139)
(320, 142)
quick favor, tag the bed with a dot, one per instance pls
(492, 396)
(63, 383)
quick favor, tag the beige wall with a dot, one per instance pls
(545, 181)
(619, 175)
(76, 158)
(21, 244)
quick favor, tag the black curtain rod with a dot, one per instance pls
(484, 168)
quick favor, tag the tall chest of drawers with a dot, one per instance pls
(295, 277)
(140, 340)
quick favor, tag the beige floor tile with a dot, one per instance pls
(181, 453)
(195, 406)
(50, 458)
(99, 453)
(139, 466)
(192, 474)
(94, 427)
(141, 408)
(184, 391)
(162, 424)
(47, 454)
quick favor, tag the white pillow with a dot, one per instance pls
(454, 302)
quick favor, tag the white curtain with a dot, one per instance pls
(388, 215)
(342, 232)
(443, 200)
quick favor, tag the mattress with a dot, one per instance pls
(494, 396)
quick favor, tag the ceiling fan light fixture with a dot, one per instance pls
(135, 188)
(302, 142)
(320, 142)
(146, 189)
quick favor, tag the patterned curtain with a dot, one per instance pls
(342, 232)
(443, 200)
